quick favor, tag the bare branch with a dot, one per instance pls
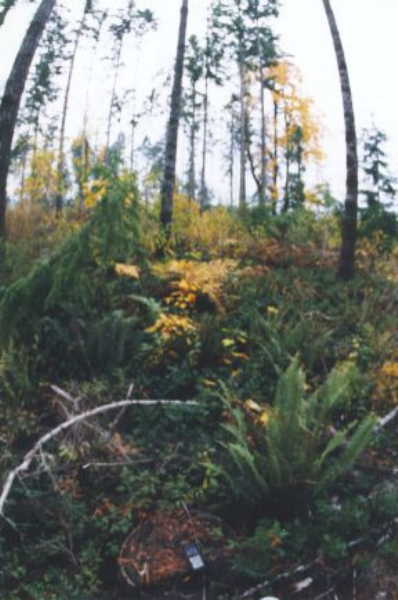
(386, 419)
(24, 466)
(125, 463)
(120, 414)
(63, 394)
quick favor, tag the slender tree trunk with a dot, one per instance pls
(113, 96)
(132, 148)
(243, 138)
(166, 211)
(263, 146)
(349, 224)
(262, 185)
(192, 157)
(249, 154)
(275, 166)
(35, 148)
(203, 185)
(12, 98)
(232, 157)
(286, 200)
(61, 154)
(23, 177)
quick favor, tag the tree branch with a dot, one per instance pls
(25, 464)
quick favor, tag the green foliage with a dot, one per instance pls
(263, 550)
(380, 190)
(296, 451)
(289, 441)
(64, 306)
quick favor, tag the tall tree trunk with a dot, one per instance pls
(203, 185)
(286, 200)
(61, 155)
(243, 138)
(12, 98)
(249, 153)
(23, 176)
(349, 224)
(166, 210)
(232, 157)
(263, 145)
(192, 157)
(113, 97)
(275, 166)
(134, 124)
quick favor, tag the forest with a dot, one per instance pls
(198, 341)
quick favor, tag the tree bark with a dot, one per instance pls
(232, 158)
(192, 157)
(166, 211)
(12, 98)
(346, 266)
(275, 166)
(286, 201)
(243, 137)
(203, 186)
(263, 177)
(113, 98)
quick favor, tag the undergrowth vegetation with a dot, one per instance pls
(288, 367)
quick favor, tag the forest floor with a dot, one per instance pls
(287, 367)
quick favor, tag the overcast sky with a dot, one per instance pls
(369, 37)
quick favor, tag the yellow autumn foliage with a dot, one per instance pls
(194, 277)
(386, 385)
(216, 232)
(94, 191)
(41, 185)
(127, 270)
(170, 326)
(298, 110)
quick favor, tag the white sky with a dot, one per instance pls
(370, 41)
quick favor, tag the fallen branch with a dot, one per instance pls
(24, 466)
(139, 461)
(260, 587)
(383, 421)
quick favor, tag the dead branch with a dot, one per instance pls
(125, 463)
(120, 414)
(383, 421)
(25, 464)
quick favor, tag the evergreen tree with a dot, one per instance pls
(380, 188)
(382, 184)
